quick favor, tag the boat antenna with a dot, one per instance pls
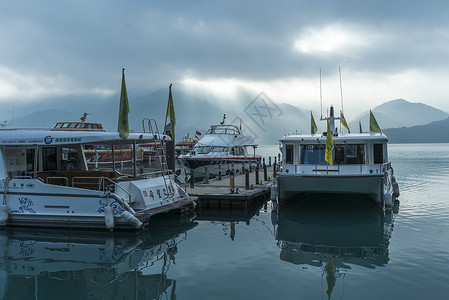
(341, 90)
(321, 97)
(224, 118)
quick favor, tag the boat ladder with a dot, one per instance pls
(160, 152)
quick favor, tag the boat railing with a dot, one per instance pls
(50, 180)
(339, 169)
(87, 182)
(105, 186)
(99, 183)
(22, 177)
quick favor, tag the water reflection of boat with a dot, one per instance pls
(333, 236)
(45, 264)
(229, 219)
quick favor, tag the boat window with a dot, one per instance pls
(30, 160)
(238, 151)
(288, 154)
(312, 154)
(49, 158)
(69, 159)
(378, 153)
(220, 149)
(73, 125)
(65, 125)
(353, 154)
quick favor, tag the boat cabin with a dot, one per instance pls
(306, 153)
(59, 156)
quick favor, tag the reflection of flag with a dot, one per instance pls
(123, 125)
(313, 127)
(329, 146)
(360, 127)
(170, 127)
(343, 121)
(373, 126)
(330, 277)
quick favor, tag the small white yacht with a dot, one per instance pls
(45, 182)
(359, 165)
(224, 148)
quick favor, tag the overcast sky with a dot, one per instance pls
(386, 50)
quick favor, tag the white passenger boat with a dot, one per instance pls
(360, 165)
(45, 181)
(224, 147)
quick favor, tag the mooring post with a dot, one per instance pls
(247, 180)
(192, 179)
(265, 175)
(219, 172)
(269, 161)
(231, 181)
(206, 174)
(274, 169)
(257, 174)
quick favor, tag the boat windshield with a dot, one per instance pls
(223, 130)
(207, 149)
(348, 154)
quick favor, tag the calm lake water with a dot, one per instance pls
(335, 248)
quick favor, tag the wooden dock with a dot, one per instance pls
(218, 193)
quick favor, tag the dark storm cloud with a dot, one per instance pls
(88, 42)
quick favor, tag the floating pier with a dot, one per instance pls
(234, 191)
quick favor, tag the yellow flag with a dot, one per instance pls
(313, 127)
(170, 127)
(329, 146)
(373, 126)
(343, 121)
(123, 125)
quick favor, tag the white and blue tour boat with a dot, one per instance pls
(359, 165)
(45, 182)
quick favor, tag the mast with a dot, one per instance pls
(341, 91)
(321, 97)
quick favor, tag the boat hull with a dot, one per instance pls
(214, 164)
(33, 203)
(290, 186)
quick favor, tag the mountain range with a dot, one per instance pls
(257, 115)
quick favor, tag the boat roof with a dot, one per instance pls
(350, 137)
(23, 137)
(78, 126)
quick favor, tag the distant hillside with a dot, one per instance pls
(435, 132)
(261, 118)
(401, 113)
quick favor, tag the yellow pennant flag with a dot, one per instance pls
(343, 121)
(329, 146)
(313, 127)
(123, 125)
(170, 127)
(373, 126)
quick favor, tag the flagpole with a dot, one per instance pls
(168, 104)
(341, 91)
(321, 97)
